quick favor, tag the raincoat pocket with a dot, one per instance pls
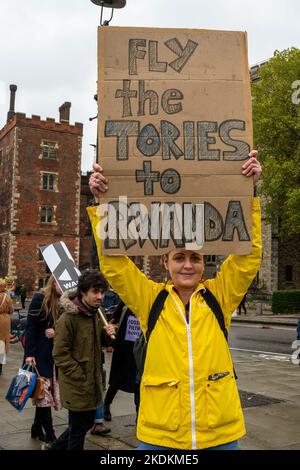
(161, 403)
(222, 402)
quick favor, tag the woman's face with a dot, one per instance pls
(185, 267)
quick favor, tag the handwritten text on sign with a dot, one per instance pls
(175, 128)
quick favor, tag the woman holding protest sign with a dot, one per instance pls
(189, 397)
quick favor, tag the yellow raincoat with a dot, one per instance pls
(180, 407)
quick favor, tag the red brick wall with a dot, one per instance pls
(6, 175)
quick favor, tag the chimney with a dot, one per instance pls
(64, 112)
(11, 112)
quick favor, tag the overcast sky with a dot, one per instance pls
(48, 47)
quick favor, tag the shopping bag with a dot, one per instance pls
(39, 390)
(21, 388)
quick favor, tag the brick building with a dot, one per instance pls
(39, 191)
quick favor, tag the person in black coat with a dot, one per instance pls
(42, 314)
(242, 305)
(123, 368)
(23, 295)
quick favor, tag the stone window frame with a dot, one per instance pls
(47, 211)
(55, 181)
(288, 273)
(49, 149)
(41, 285)
(210, 260)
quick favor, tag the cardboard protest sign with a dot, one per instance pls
(175, 128)
(61, 264)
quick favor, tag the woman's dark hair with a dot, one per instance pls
(91, 279)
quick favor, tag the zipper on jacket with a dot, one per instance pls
(191, 369)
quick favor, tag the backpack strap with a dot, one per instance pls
(215, 307)
(141, 344)
(155, 311)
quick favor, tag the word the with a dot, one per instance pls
(169, 95)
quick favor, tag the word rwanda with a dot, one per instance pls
(186, 225)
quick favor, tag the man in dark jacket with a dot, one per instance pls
(76, 352)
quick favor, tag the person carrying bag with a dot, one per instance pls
(39, 334)
(21, 387)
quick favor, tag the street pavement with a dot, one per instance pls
(267, 318)
(269, 390)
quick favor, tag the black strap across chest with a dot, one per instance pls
(155, 311)
(215, 307)
(207, 296)
(209, 299)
